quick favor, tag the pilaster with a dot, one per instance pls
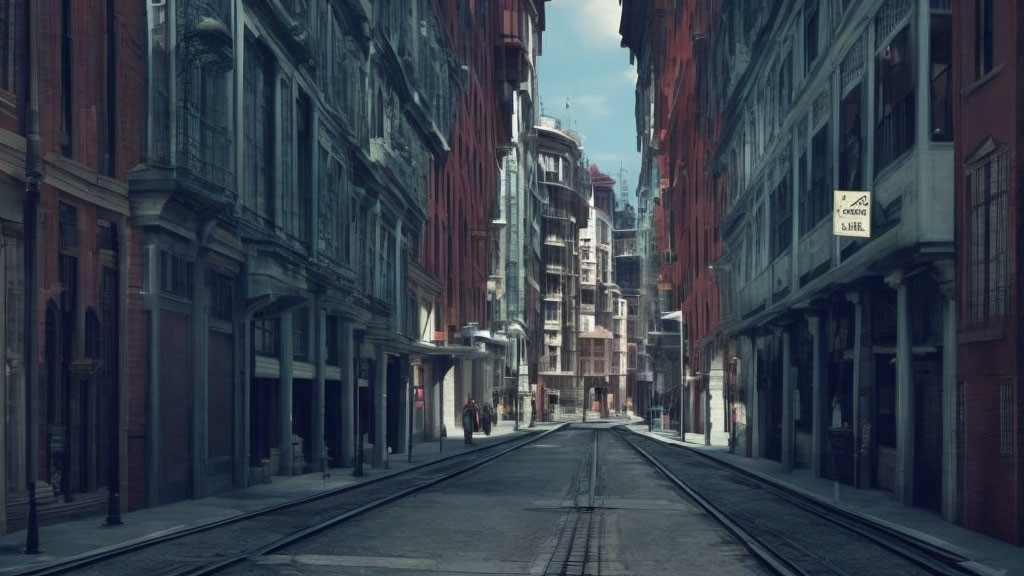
(286, 394)
(380, 407)
(949, 369)
(817, 392)
(904, 391)
(348, 391)
(786, 459)
(319, 316)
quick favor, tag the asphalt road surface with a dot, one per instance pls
(543, 509)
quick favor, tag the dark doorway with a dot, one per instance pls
(302, 421)
(263, 418)
(773, 446)
(175, 408)
(928, 434)
(332, 421)
(396, 394)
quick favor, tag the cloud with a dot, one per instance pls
(630, 75)
(597, 20)
(592, 104)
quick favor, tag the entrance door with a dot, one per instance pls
(928, 434)
(175, 408)
(221, 410)
(332, 421)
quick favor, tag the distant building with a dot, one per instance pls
(988, 127)
(602, 328)
(563, 184)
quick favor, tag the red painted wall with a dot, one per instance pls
(465, 183)
(689, 214)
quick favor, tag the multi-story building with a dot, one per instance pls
(628, 273)
(986, 462)
(602, 326)
(842, 350)
(295, 153)
(516, 290)
(563, 185)
(71, 92)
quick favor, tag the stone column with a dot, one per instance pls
(319, 317)
(858, 357)
(949, 368)
(817, 393)
(786, 460)
(348, 388)
(285, 391)
(904, 391)
(380, 407)
(243, 396)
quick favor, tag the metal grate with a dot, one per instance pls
(988, 229)
(1006, 447)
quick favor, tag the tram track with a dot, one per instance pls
(214, 546)
(788, 532)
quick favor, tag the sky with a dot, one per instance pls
(582, 61)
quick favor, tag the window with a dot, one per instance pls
(551, 311)
(221, 296)
(988, 230)
(68, 217)
(782, 218)
(264, 336)
(331, 341)
(983, 37)
(894, 100)
(259, 131)
(941, 93)
(300, 334)
(177, 276)
(1006, 429)
(6, 52)
(810, 34)
(304, 146)
(67, 87)
(851, 141)
(818, 191)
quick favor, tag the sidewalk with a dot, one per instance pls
(69, 539)
(992, 556)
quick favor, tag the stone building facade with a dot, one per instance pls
(837, 353)
(564, 186)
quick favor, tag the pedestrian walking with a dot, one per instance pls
(469, 416)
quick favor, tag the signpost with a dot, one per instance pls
(851, 213)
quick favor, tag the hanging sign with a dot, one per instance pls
(851, 213)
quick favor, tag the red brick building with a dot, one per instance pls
(988, 37)
(689, 212)
(89, 78)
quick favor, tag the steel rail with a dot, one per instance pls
(778, 564)
(117, 550)
(925, 554)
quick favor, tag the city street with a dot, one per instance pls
(523, 514)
